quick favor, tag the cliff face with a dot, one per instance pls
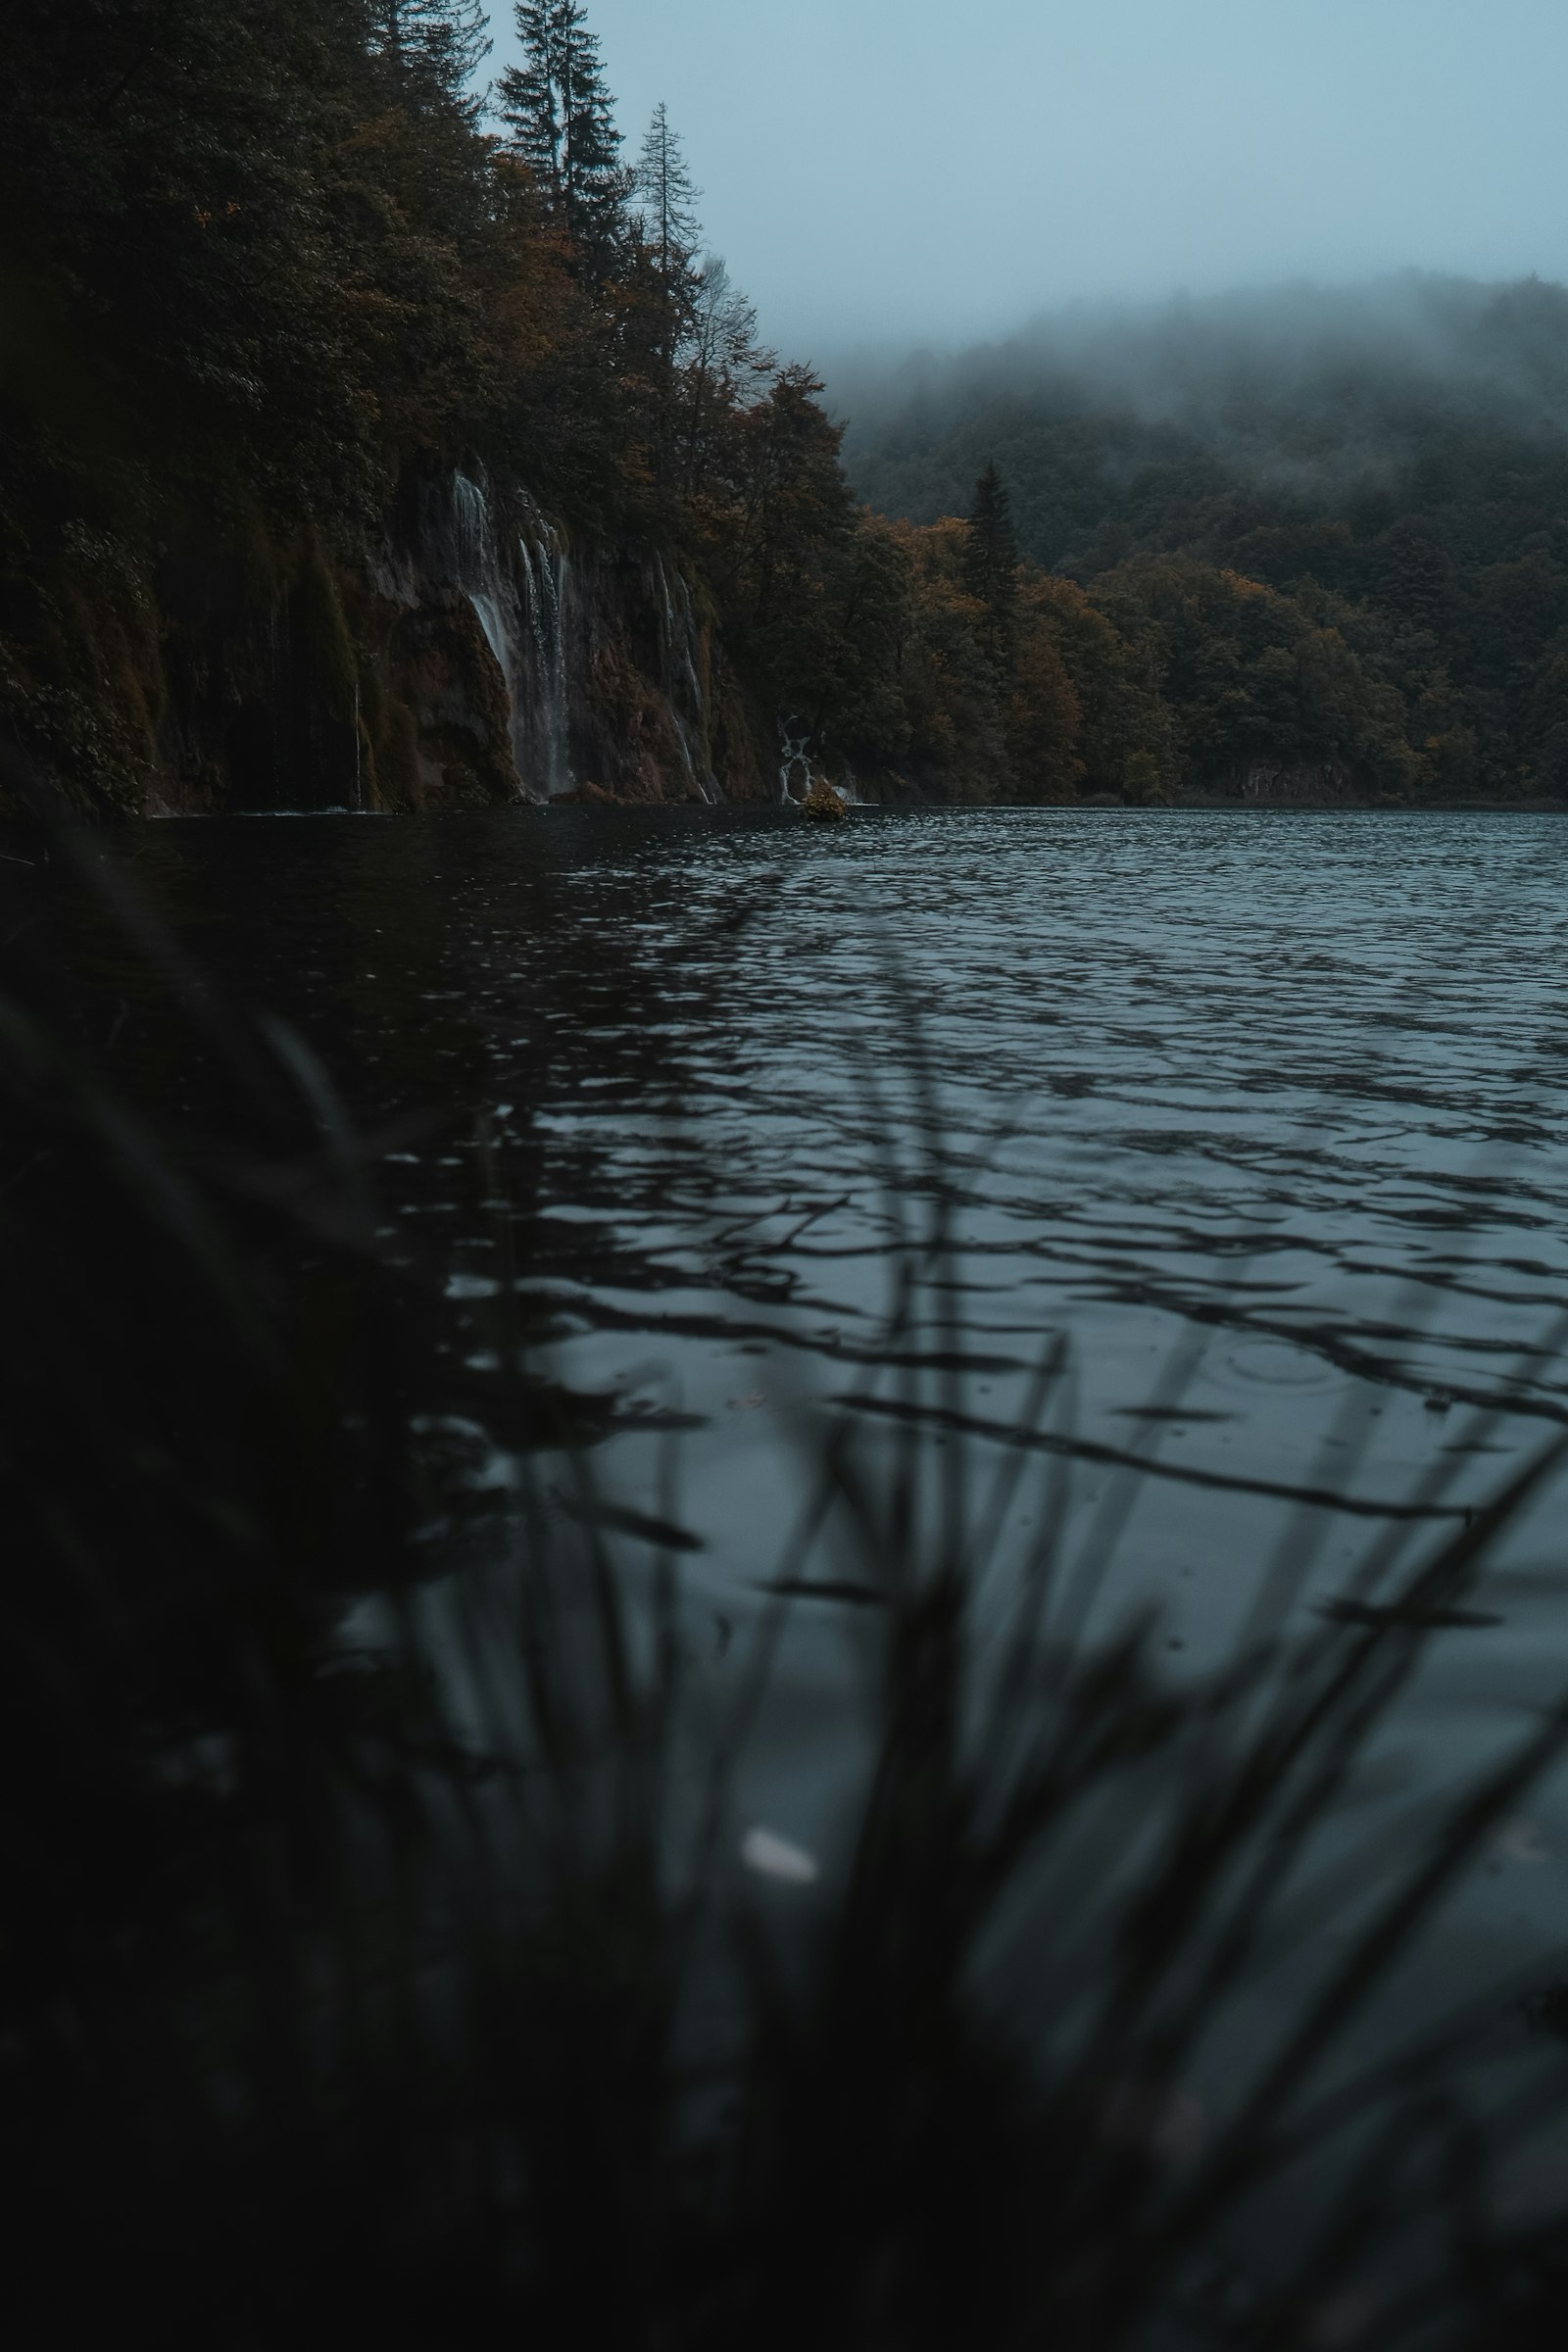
(473, 654)
(526, 665)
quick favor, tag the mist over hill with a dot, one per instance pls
(1301, 395)
(1388, 462)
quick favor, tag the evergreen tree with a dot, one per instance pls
(666, 207)
(663, 186)
(558, 110)
(431, 47)
(991, 569)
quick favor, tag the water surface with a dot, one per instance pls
(1301, 1078)
(1264, 1113)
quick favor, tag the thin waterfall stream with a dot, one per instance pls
(545, 577)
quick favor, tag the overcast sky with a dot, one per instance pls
(932, 170)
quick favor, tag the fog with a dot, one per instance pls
(904, 169)
(1231, 366)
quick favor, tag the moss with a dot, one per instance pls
(331, 668)
(260, 567)
(635, 732)
(395, 756)
(81, 681)
(465, 782)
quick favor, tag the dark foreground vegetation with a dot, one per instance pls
(378, 1956)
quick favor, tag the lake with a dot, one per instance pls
(1300, 1080)
(1261, 1115)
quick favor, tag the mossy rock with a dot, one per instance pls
(824, 803)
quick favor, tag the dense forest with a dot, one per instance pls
(1303, 542)
(372, 437)
(371, 443)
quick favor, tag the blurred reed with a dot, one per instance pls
(376, 1957)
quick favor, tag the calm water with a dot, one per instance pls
(1265, 1113)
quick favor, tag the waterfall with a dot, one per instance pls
(275, 708)
(484, 581)
(520, 605)
(680, 670)
(546, 572)
(488, 608)
(523, 594)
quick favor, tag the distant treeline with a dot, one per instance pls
(1295, 538)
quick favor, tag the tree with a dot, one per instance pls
(990, 567)
(1043, 720)
(956, 746)
(792, 518)
(431, 47)
(663, 186)
(558, 110)
(670, 235)
(724, 366)
(1125, 731)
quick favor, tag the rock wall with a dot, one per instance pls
(474, 652)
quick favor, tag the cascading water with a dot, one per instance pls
(680, 667)
(524, 595)
(484, 581)
(544, 575)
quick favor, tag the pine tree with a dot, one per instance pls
(991, 569)
(431, 47)
(666, 207)
(558, 110)
(663, 186)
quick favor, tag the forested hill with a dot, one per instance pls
(372, 437)
(365, 443)
(1330, 528)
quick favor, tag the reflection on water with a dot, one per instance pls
(1301, 1079)
(1292, 1089)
